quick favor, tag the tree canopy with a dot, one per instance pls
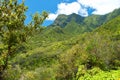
(13, 31)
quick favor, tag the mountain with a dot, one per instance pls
(67, 26)
(62, 20)
(82, 24)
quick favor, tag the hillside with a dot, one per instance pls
(63, 25)
(72, 48)
(93, 19)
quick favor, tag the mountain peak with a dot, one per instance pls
(92, 21)
(62, 20)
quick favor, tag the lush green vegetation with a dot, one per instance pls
(13, 31)
(72, 48)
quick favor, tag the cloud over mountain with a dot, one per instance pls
(68, 8)
(101, 6)
(80, 7)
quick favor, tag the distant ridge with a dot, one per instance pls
(91, 21)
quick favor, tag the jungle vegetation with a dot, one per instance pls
(72, 48)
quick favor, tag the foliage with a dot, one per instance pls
(13, 31)
(97, 74)
(72, 48)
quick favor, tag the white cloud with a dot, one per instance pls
(68, 8)
(52, 16)
(101, 6)
(65, 8)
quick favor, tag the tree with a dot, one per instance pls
(13, 31)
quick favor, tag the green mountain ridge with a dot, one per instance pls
(62, 20)
(82, 24)
(63, 25)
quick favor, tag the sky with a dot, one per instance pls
(67, 7)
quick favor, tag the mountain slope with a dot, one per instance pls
(62, 20)
(65, 27)
(83, 24)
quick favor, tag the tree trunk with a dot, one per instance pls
(4, 67)
(1, 77)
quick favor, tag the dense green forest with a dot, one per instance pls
(72, 48)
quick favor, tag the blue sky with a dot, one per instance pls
(43, 5)
(81, 7)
